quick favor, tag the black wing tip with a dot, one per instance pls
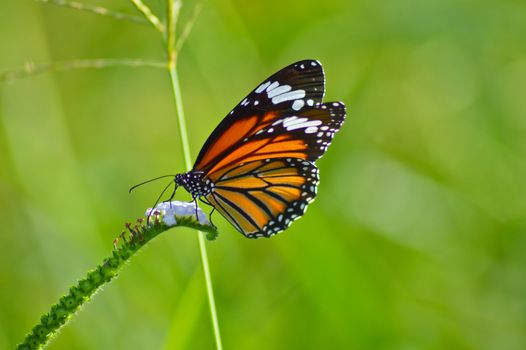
(307, 64)
(336, 109)
(309, 61)
(341, 107)
(336, 104)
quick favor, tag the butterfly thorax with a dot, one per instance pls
(195, 183)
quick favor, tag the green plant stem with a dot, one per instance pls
(81, 293)
(172, 12)
(187, 159)
(139, 235)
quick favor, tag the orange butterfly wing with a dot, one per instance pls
(305, 135)
(263, 197)
(287, 104)
(260, 157)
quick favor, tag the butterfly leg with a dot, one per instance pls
(196, 207)
(172, 196)
(213, 209)
(210, 217)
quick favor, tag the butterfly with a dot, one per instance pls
(257, 167)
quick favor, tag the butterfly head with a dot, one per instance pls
(194, 183)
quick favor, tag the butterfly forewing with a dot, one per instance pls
(285, 93)
(305, 135)
(263, 197)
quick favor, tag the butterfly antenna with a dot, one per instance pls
(157, 201)
(148, 181)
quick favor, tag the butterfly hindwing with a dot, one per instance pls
(261, 198)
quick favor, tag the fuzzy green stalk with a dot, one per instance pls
(81, 293)
(172, 11)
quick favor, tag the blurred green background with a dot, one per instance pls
(417, 239)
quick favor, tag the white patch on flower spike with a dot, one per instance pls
(297, 105)
(171, 211)
(169, 220)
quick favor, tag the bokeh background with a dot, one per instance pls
(417, 239)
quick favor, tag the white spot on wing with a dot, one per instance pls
(289, 96)
(262, 87)
(279, 90)
(293, 120)
(297, 105)
(272, 86)
(311, 130)
(302, 123)
(310, 102)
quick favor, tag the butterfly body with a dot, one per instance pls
(194, 183)
(257, 167)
